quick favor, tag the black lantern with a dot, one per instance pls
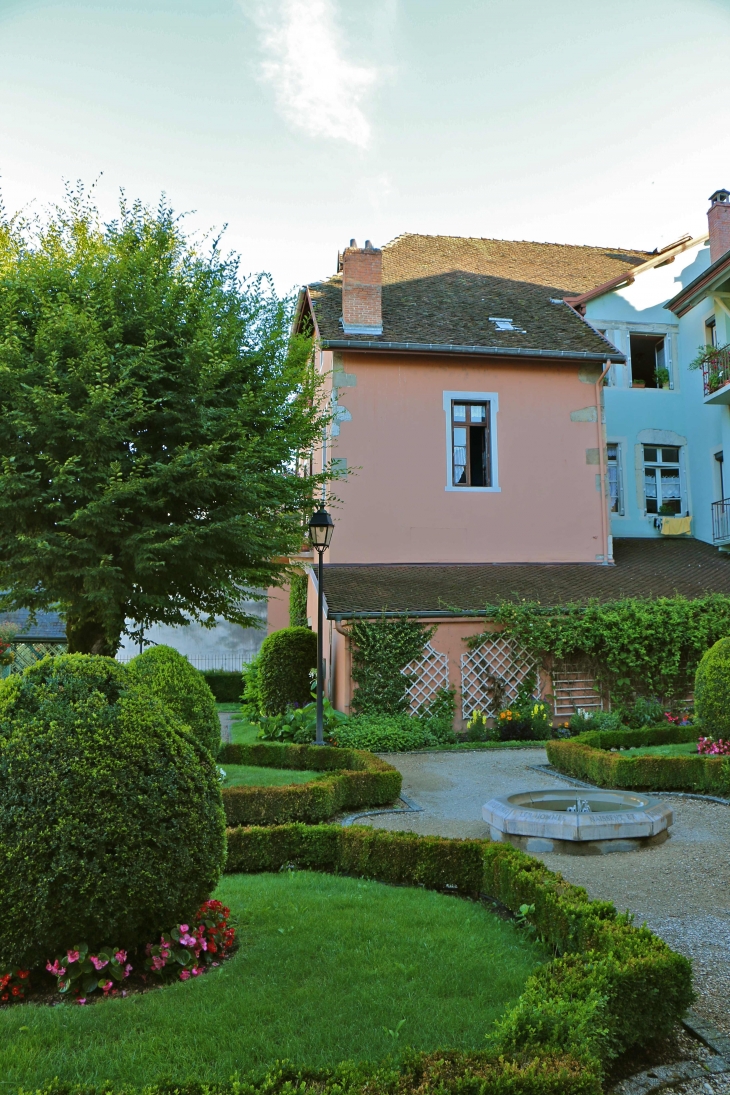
(321, 528)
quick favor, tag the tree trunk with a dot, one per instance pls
(88, 636)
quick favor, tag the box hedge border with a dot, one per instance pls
(610, 988)
(354, 779)
(588, 757)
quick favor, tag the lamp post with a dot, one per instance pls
(321, 528)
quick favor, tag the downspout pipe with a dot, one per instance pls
(607, 558)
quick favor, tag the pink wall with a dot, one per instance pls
(394, 505)
(277, 609)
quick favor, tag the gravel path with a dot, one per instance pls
(681, 888)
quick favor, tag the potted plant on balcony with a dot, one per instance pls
(715, 364)
(661, 375)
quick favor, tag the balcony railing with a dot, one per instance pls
(721, 521)
(716, 372)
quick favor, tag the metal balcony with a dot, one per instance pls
(721, 521)
(716, 377)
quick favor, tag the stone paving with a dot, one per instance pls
(680, 888)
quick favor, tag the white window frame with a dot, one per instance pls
(620, 479)
(472, 397)
(684, 496)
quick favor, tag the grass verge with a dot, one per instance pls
(245, 775)
(329, 969)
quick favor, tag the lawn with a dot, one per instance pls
(328, 967)
(683, 749)
(244, 775)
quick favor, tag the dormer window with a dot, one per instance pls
(504, 324)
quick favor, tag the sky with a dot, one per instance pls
(301, 124)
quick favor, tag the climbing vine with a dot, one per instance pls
(381, 649)
(635, 646)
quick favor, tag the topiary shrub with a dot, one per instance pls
(168, 675)
(111, 821)
(284, 665)
(712, 690)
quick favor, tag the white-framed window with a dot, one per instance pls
(650, 362)
(665, 491)
(471, 441)
(615, 479)
(711, 331)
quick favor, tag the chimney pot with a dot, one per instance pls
(353, 243)
(362, 290)
(718, 219)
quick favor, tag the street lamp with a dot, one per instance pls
(321, 528)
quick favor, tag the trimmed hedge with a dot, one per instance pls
(436, 863)
(587, 757)
(355, 779)
(226, 687)
(284, 664)
(440, 1073)
(111, 825)
(712, 690)
(613, 986)
(168, 675)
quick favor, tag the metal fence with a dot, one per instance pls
(721, 521)
(207, 663)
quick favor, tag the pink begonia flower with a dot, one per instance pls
(196, 970)
(158, 962)
(188, 940)
(73, 956)
(215, 963)
(121, 957)
(184, 927)
(184, 974)
(81, 1000)
(148, 949)
(128, 969)
(107, 985)
(97, 962)
(55, 969)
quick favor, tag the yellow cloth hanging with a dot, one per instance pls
(676, 526)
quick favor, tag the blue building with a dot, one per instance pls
(667, 425)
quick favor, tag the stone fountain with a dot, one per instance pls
(579, 822)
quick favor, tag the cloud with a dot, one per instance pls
(317, 88)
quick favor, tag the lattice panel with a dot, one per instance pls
(575, 687)
(29, 653)
(496, 660)
(431, 672)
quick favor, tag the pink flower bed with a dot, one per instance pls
(711, 748)
(186, 951)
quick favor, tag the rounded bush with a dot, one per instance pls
(170, 677)
(284, 665)
(712, 690)
(111, 821)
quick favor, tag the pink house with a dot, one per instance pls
(467, 400)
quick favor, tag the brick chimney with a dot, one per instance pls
(362, 288)
(718, 217)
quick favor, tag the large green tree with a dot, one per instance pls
(152, 412)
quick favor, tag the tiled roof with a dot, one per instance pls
(441, 291)
(644, 568)
(48, 626)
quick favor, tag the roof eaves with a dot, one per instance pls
(449, 348)
(666, 255)
(686, 298)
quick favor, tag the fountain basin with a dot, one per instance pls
(578, 822)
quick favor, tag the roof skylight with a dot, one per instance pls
(504, 324)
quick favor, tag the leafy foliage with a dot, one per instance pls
(298, 585)
(285, 662)
(124, 832)
(712, 690)
(226, 686)
(168, 675)
(381, 650)
(393, 733)
(153, 407)
(636, 646)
